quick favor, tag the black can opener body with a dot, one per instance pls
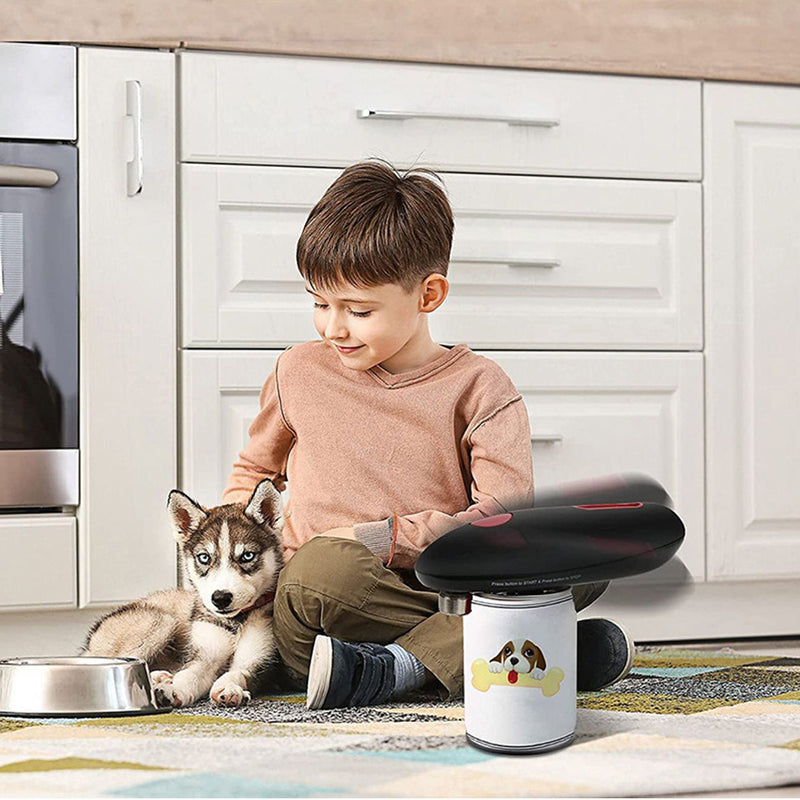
(540, 549)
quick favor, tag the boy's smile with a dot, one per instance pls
(348, 349)
(382, 325)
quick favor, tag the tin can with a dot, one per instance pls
(520, 671)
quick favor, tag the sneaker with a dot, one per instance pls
(341, 674)
(605, 653)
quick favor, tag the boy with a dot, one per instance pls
(388, 440)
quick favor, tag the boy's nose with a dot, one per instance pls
(335, 329)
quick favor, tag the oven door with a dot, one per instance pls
(38, 325)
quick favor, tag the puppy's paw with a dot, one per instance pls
(227, 692)
(537, 673)
(162, 687)
(182, 690)
(495, 666)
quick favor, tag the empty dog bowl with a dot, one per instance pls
(79, 686)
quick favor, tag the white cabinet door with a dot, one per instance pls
(331, 112)
(38, 569)
(220, 401)
(128, 375)
(591, 414)
(752, 259)
(598, 413)
(537, 263)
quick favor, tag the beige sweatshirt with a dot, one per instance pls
(403, 457)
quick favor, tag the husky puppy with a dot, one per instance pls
(215, 637)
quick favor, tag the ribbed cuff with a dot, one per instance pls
(376, 537)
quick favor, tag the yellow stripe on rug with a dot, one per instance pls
(72, 762)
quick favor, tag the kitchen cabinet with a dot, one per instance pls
(39, 565)
(128, 373)
(752, 300)
(118, 544)
(576, 261)
(537, 263)
(331, 112)
(625, 248)
(590, 414)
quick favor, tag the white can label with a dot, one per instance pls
(520, 672)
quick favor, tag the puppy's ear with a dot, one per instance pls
(499, 657)
(265, 506)
(186, 515)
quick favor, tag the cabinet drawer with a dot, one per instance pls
(591, 414)
(39, 564)
(547, 263)
(598, 413)
(331, 112)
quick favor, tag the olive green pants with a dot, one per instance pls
(338, 587)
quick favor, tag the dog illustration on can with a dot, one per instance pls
(520, 663)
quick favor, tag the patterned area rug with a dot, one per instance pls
(683, 721)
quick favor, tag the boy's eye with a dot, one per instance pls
(203, 558)
(354, 313)
(248, 555)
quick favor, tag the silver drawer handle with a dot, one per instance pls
(533, 122)
(11, 175)
(547, 438)
(133, 112)
(546, 263)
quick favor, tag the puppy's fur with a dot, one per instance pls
(217, 635)
(519, 655)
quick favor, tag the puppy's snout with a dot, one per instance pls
(514, 660)
(221, 599)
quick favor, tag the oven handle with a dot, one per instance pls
(11, 175)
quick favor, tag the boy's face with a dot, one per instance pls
(374, 325)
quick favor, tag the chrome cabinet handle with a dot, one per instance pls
(133, 112)
(12, 175)
(533, 122)
(546, 438)
(545, 263)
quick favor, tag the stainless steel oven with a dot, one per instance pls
(38, 278)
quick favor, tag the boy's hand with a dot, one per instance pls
(342, 533)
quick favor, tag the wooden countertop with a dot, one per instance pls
(737, 40)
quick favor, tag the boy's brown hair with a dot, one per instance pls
(375, 226)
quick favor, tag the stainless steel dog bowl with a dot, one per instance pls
(80, 686)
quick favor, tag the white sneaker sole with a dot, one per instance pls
(319, 672)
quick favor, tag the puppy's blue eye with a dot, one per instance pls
(248, 555)
(203, 558)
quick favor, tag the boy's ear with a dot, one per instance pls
(187, 516)
(265, 506)
(434, 291)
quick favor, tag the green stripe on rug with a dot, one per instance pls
(691, 658)
(650, 703)
(72, 762)
(157, 720)
(7, 725)
(794, 745)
